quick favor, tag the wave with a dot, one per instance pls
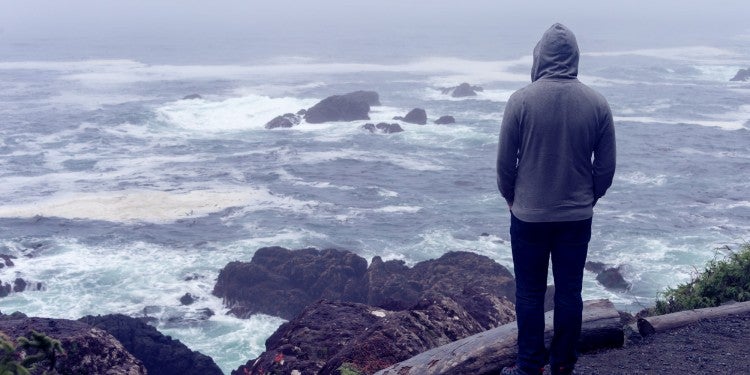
(689, 53)
(500, 96)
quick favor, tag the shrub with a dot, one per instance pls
(722, 280)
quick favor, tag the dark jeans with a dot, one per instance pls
(533, 244)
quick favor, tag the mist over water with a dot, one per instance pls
(119, 196)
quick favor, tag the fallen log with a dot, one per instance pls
(661, 323)
(489, 351)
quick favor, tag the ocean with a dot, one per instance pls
(120, 197)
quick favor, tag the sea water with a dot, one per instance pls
(120, 197)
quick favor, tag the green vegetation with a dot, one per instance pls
(348, 369)
(15, 360)
(722, 280)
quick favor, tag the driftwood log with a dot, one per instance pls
(662, 323)
(489, 351)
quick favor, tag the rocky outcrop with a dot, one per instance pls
(88, 350)
(463, 90)
(6, 260)
(160, 354)
(609, 277)
(348, 107)
(742, 75)
(383, 128)
(443, 120)
(281, 282)
(328, 336)
(415, 116)
(286, 120)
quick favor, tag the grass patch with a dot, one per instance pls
(722, 280)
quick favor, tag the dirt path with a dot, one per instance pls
(715, 346)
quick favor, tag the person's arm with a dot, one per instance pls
(604, 157)
(507, 153)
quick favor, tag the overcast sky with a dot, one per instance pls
(645, 22)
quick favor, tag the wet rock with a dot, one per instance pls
(187, 299)
(286, 120)
(19, 285)
(611, 278)
(383, 128)
(443, 120)
(742, 75)
(462, 90)
(192, 97)
(88, 350)
(5, 289)
(6, 260)
(160, 354)
(595, 267)
(415, 116)
(348, 107)
(326, 335)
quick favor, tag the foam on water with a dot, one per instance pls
(249, 112)
(725, 124)
(640, 178)
(499, 96)
(689, 53)
(128, 206)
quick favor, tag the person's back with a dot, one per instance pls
(551, 130)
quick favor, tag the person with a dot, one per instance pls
(556, 158)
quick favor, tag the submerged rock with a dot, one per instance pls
(383, 128)
(88, 350)
(611, 278)
(445, 120)
(160, 354)
(286, 120)
(415, 116)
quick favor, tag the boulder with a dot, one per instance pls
(286, 120)
(742, 75)
(281, 282)
(462, 90)
(192, 97)
(5, 289)
(88, 350)
(6, 260)
(160, 354)
(595, 267)
(383, 128)
(415, 116)
(328, 336)
(348, 107)
(445, 120)
(187, 299)
(611, 278)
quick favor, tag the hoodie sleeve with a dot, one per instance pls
(604, 157)
(507, 152)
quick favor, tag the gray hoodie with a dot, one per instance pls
(556, 153)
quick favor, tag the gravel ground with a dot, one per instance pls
(715, 346)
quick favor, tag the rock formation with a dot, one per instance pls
(347, 107)
(742, 75)
(383, 128)
(445, 120)
(286, 120)
(88, 350)
(462, 90)
(160, 354)
(415, 116)
(609, 277)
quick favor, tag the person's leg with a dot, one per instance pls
(568, 260)
(530, 245)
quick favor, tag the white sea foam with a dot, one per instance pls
(500, 96)
(690, 53)
(726, 124)
(233, 114)
(640, 178)
(286, 176)
(656, 106)
(406, 162)
(144, 205)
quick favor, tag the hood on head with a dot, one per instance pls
(556, 54)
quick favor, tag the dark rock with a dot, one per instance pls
(742, 75)
(370, 97)
(194, 276)
(463, 90)
(416, 116)
(5, 289)
(286, 120)
(7, 260)
(160, 354)
(445, 120)
(611, 278)
(348, 107)
(595, 267)
(328, 334)
(13, 315)
(88, 350)
(192, 97)
(187, 299)
(383, 128)
(282, 282)
(19, 285)
(301, 112)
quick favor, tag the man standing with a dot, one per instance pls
(551, 131)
